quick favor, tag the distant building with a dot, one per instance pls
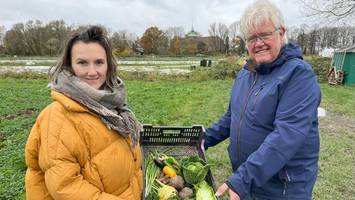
(205, 45)
(343, 63)
(192, 33)
(327, 52)
(138, 50)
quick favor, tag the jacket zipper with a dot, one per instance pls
(242, 115)
(285, 188)
(256, 96)
(288, 179)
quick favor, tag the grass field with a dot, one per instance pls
(180, 103)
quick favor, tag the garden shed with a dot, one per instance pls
(343, 67)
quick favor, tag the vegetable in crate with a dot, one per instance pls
(204, 191)
(177, 182)
(166, 169)
(168, 161)
(166, 192)
(151, 173)
(186, 193)
(171, 161)
(194, 169)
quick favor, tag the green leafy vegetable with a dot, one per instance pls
(151, 173)
(204, 191)
(194, 169)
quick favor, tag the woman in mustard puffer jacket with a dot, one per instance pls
(84, 145)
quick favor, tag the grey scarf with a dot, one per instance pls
(109, 104)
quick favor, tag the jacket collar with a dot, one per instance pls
(67, 102)
(287, 52)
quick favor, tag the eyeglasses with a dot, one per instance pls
(262, 36)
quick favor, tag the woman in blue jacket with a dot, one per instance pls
(271, 119)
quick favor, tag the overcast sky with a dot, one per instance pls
(137, 15)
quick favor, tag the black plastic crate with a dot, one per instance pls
(179, 140)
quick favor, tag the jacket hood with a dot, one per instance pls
(287, 52)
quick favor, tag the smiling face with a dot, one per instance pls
(89, 63)
(264, 43)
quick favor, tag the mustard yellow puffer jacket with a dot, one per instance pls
(71, 154)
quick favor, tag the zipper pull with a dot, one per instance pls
(288, 177)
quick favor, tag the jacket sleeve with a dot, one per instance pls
(59, 174)
(219, 131)
(295, 115)
(34, 179)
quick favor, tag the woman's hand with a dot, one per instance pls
(223, 188)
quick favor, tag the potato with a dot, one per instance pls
(186, 192)
(177, 182)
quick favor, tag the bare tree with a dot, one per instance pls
(331, 10)
(314, 39)
(219, 35)
(2, 34)
(302, 37)
(57, 34)
(175, 31)
(35, 38)
(122, 41)
(223, 33)
(213, 31)
(236, 42)
(14, 40)
(234, 29)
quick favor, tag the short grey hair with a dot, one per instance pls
(259, 12)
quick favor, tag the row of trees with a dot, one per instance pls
(315, 39)
(222, 39)
(35, 38)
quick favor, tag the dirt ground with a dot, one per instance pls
(335, 123)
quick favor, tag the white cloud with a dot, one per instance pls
(137, 15)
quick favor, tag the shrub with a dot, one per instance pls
(320, 66)
(226, 68)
